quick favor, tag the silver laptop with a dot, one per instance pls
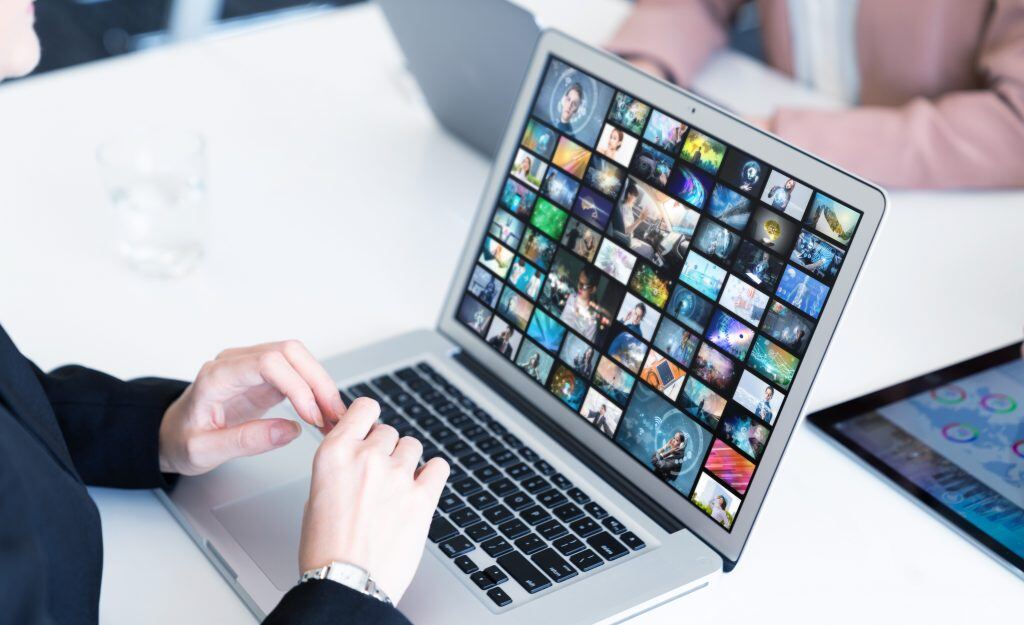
(469, 57)
(646, 295)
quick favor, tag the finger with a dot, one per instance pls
(323, 386)
(215, 447)
(355, 424)
(279, 373)
(382, 436)
(432, 476)
(408, 451)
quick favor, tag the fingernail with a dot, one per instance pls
(281, 433)
(315, 411)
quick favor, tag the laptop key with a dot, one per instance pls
(415, 411)
(520, 471)
(551, 498)
(489, 445)
(518, 501)
(387, 384)
(474, 432)
(607, 545)
(560, 481)
(578, 495)
(498, 514)
(450, 502)
(464, 517)
(472, 460)
(512, 441)
(568, 544)
(543, 467)
(531, 543)
(482, 580)
(459, 420)
(484, 499)
(479, 532)
(536, 484)
(497, 428)
(402, 398)
(502, 487)
(424, 367)
(524, 572)
(487, 474)
(528, 454)
(613, 525)
(551, 529)
(503, 458)
(407, 374)
(596, 510)
(535, 515)
(457, 546)
(633, 541)
(586, 560)
(496, 546)
(496, 574)
(429, 422)
(585, 527)
(514, 529)
(466, 486)
(499, 597)
(458, 447)
(466, 564)
(441, 529)
(554, 565)
(442, 434)
(568, 512)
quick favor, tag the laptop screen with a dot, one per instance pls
(662, 284)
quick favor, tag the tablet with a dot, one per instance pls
(954, 441)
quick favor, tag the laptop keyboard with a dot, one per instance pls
(506, 513)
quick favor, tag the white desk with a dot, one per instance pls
(326, 174)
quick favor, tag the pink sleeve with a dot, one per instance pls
(677, 34)
(963, 139)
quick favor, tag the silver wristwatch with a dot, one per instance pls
(350, 576)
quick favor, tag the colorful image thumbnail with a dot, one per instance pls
(663, 439)
(716, 501)
(715, 241)
(580, 238)
(787, 328)
(692, 186)
(703, 151)
(638, 317)
(614, 261)
(650, 285)
(580, 296)
(515, 308)
(713, 367)
(538, 248)
(579, 355)
(474, 314)
(730, 466)
(528, 168)
(572, 157)
(517, 198)
(525, 277)
(802, 291)
(759, 397)
(567, 386)
(613, 380)
(605, 176)
(773, 363)
(679, 344)
(549, 219)
(547, 332)
(729, 334)
(665, 132)
(560, 187)
(743, 300)
(601, 412)
(653, 225)
(817, 257)
(786, 194)
(757, 266)
(832, 219)
(506, 228)
(485, 285)
(699, 401)
(534, 361)
(652, 166)
(502, 337)
(703, 275)
(743, 172)
(744, 432)
(628, 350)
(689, 308)
(592, 207)
(496, 257)
(772, 230)
(663, 375)
(539, 139)
(617, 145)
(629, 112)
(572, 102)
(729, 207)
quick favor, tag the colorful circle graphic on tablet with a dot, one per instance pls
(997, 402)
(1018, 448)
(948, 394)
(960, 433)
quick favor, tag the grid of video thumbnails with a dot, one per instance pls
(660, 283)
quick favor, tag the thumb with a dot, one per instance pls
(247, 439)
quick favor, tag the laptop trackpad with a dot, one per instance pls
(268, 526)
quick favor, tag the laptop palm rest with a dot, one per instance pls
(267, 526)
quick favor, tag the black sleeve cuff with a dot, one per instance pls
(323, 602)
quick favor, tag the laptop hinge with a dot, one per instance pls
(636, 496)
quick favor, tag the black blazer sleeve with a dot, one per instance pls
(327, 603)
(111, 427)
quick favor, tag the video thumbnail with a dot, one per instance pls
(572, 102)
(538, 248)
(730, 466)
(729, 207)
(474, 314)
(729, 334)
(560, 188)
(581, 297)
(547, 332)
(628, 350)
(832, 219)
(593, 207)
(703, 151)
(580, 238)
(617, 145)
(539, 139)
(663, 375)
(665, 132)
(502, 337)
(613, 380)
(758, 266)
(802, 291)
(772, 230)
(715, 241)
(572, 157)
(528, 168)
(716, 502)
(515, 308)
(701, 402)
(652, 166)
(614, 261)
(567, 386)
(534, 361)
(789, 329)
(506, 229)
(689, 308)
(786, 194)
(758, 397)
(743, 300)
(496, 257)
(679, 344)
(549, 219)
(518, 198)
(579, 355)
(665, 440)
(816, 256)
(629, 112)
(605, 176)
(525, 277)
(692, 186)
(601, 413)
(773, 362)
(485, 286)
(650, 284)
(744, 432)
(703, 275)
(638, 317)
(743, 172)
(653, 225)
(713, 367)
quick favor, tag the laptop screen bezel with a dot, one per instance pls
(846, 188)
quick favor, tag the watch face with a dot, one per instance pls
(349, 575)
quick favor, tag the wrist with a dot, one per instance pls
(349, 575)
(169, 445)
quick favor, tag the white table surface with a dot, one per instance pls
(338, 205)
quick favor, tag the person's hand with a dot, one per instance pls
(218, 417)
(368, 504)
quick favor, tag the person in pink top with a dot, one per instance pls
(934, 88)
